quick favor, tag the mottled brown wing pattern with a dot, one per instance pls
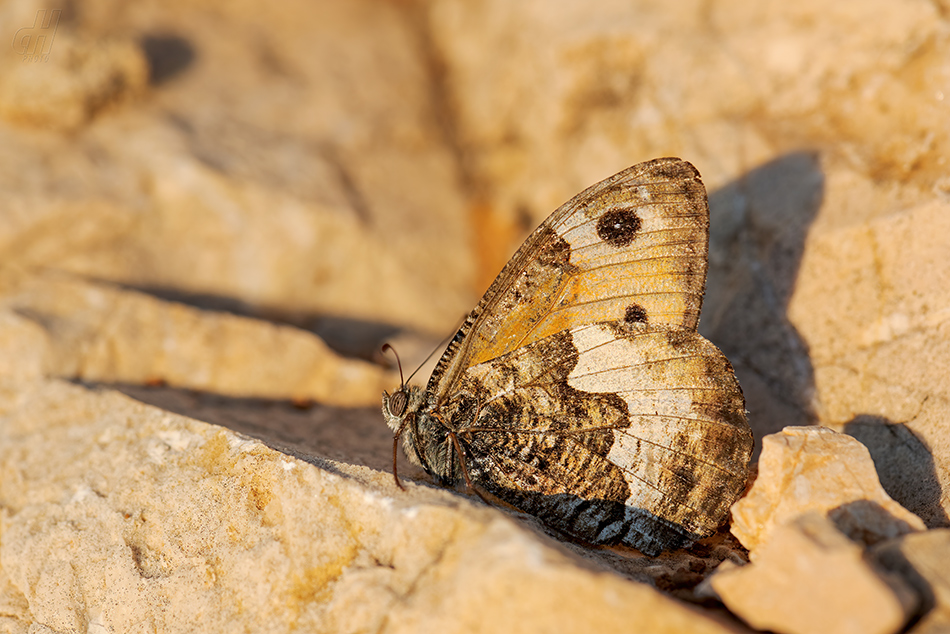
(614, 432)
(630, 247)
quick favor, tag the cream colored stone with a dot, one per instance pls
(809, 579)
(23, 347)
(97, 332)
(923, 560)
(814, 469)
(893, 279)
(636, 81)
(329, 192)
(122, 517)
(63, 80)
(886, 365)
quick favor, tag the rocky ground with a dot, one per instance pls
(213, 214)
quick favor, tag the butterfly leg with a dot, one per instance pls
(396, 436)
(458, 448)
(468, 481)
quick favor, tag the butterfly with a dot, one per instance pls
(578, 390)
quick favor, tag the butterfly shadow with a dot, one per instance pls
(758, 227)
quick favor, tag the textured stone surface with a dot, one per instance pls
(883, 380)
(647, 80)
(810, 579)
(814, 469)
(295, 172)
(64, 91)
(102, 333)
(122, 517)
(923, 560)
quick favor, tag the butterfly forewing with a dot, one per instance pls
(632, 246)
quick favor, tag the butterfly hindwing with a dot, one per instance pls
(613, 432)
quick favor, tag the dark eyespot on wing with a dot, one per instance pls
(618, 227)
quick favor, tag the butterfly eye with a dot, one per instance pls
(397, 403)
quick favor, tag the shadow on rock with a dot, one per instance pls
(310, 432)
(758, 226)
(867, 522)
(347, 336)
(904, 465)
(168, 56)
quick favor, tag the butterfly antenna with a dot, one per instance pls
(441, 345)
(402, 427)
(386, 347)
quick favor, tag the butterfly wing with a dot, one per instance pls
(631, 247)
(613, 432)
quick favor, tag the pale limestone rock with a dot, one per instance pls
(805, 469)
(122, 517)
(811, 579)
(923, 560)
(64, 80)
(23, 347)
(299, 175)
(882, 378)
(644, 80)
(101, 333)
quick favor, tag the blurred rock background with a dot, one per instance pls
(223, 209)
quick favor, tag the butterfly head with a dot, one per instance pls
(400, 405)
(400, 411)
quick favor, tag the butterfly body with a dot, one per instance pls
(578, 389)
